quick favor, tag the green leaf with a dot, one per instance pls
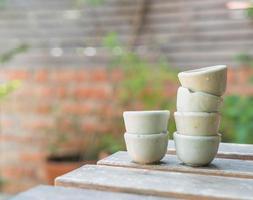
(10, 54)
(7, 88)
(111, 40)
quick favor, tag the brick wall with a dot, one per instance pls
(48, 102)
(45, 105)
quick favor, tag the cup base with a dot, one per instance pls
(146, 149)
(196, 151)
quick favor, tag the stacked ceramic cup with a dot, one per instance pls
(146, 135)
(197, 118)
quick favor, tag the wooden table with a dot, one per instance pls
(230, 176)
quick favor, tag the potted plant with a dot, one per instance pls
(110, 144)
(94, 147)
(146, 84)
(68, 147)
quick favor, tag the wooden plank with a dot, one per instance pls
(25, 6)
(16, 29)
(219, 167)
(154, 18)
(167, 22)
(226, 150)
(62, 193)
(216, 26)
(184, 5)
(63, 61)
(154, 22)
(158, 183)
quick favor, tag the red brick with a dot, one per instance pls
(19, 185)
(41, 75)
(171, 90)
(14, 138)
(100, 93)
(95, 92)
(77, 109)
(66, 125)
(6, 123)
(17, 172)
(43, 108)
(18, 74)
(33, 156)
(117, 75)
(61, 91)
(82, 92)
(231, 76)
(44, 91)
(99, 75)
(63, 75)
(244, 90)
(38, 124)
(89, 127)
(81, 76)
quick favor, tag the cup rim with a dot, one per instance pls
(196, 137)
(191, 92)
(197, 114)
(147, 112)
(133, 135)
(203, 70)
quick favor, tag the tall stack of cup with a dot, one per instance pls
(146, 135)
(197, 118)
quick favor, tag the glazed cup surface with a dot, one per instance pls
(146, 149)
(197, 123)
(189, 101)
(211, 80)
(196, 150)
(146, 122)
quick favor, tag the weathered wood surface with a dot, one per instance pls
(226, 150)
(63, 193)
(219, 167)
(181, 29)
(158, 183)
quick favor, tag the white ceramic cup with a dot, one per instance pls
(197, 123)
(146, 122)
(211, 80)
(196, 150)
(145, 149)
(189, 101)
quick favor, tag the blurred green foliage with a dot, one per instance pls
(237, 119)
(144, 82)
(244, 59)
(90, 2)
(249, 12)
(110, 144)
(8, 87)
(237, 113)
(2, 3)
(6, 57)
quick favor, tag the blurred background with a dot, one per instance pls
(69, 68)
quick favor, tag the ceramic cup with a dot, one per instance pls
(146, 122)
(197, 123)
(211, 80)
(196, 150)
(145, 149)
(189, 101)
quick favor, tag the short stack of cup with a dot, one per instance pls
(146, 135)
(197, 118)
